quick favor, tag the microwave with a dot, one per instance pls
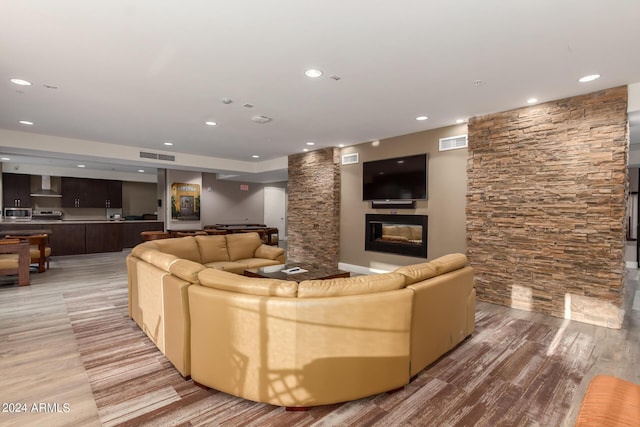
(17, 214)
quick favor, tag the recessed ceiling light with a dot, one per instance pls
(168, 143)
(311, 143)
(26, 122)
(589, 78)
(341, 145)
(313, 73)
(459, 121)
(305, 149)
(141, 170)
(421, 118)
(20, 82)
(255, 156)
(532, 100)
(210, 123)
(5, 158)
(81, 166)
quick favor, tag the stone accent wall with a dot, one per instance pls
(546, 200)
(313, 211)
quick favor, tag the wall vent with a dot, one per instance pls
(453, 142)
(349, 159)
(147, 155)
(168, 157)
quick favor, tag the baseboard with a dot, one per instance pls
(358, 269)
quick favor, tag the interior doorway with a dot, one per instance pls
(275, 209)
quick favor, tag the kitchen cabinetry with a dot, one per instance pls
(131, 231)
(75, 238)
(15, 190)
(75, 192)
(66, 239)
(113, 194)
(103, 237)
(91, 193)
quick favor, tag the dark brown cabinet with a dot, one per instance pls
(131, 231)
(16, 189)
(76, 192)
(66, 239)
(91, 193)
(103, 237)
(113, 197)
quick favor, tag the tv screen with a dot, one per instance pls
(400, 178)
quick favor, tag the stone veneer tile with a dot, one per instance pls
(313, 208)
(546, 203)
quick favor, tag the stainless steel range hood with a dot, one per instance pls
(45, 188)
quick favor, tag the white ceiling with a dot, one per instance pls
(139, 73)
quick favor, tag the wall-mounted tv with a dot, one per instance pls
(400, 178)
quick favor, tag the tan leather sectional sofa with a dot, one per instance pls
(300, 344)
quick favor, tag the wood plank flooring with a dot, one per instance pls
(67, 339)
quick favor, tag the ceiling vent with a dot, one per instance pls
(453, 143)
(350, 159)
(156, 156)
(147, 155)
(261, 119)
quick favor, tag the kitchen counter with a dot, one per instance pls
(90, 221)
(81, 236)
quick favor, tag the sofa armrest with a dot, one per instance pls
(443, 315)
(268, 252)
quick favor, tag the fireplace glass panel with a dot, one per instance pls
(399, 234)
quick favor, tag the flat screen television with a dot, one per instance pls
(400, 178)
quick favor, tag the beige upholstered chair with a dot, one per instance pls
(14, 259)
(39, 249)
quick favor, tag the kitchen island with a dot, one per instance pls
(74, 237)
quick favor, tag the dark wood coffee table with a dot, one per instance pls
(314, 272)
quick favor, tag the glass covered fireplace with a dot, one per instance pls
(397, 234)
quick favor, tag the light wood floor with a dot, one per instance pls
(67, 346)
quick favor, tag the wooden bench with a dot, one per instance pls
(610, 401)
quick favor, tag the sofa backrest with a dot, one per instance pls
(182, 247)
(225, 281)
(357, 285)
(212, 248)
(418, 272)
(242, 245)
(161, 260)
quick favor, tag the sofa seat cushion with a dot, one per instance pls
(8, 261)
(242, 245)
(230, 266)
(257, 262)
(212, 248)
(222, 280)
(182, 247)
(351, 285)
(34, 252)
